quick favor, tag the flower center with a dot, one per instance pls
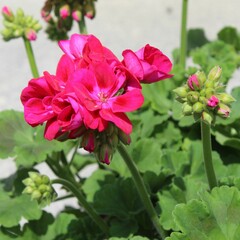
(103, 97)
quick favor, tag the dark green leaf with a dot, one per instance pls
(230, 35)
(196, 38)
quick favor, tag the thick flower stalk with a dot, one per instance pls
(91, 92)
(19, 25)
(203, 98)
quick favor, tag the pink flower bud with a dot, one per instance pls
(31, 35)
(223, 110)
(88, 141)
(64, 11)
(193, 82)
(90, 14)
(76, 15)
(7, 13)
(213, 101)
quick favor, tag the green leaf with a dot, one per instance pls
(123, 228)
(230, 35)
(95, 182)
(196, 38)
(13, 209)
(59, 228)
(217, 53)
(119, 199)
(215, 216)
(130, 238)
(177, 236)
(23, 142)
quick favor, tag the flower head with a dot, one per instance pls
(193, 82)
(213, 101)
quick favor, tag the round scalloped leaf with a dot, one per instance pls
(215, 216)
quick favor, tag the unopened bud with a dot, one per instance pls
(226, 98)
(88, 141)
(223, 110)
(36, 195)
(181, 92)
(30, 35)
(45, 179)
(209, 92)
(28, 182)
(113, 140)
(7, 13)
(198, 107)
(201, 76)
(193, 96)
(215, 74)
(77, 15)
(193, 82)
(105, 154)
(187, 109)
(89, 11)
(64, 11)
(124, 138)
(28, 190)
(203, 100)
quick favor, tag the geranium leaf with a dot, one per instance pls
(215, 216)
(23, 142)
(196, 38)
(119, 199)
(230, 36)
(13, 209)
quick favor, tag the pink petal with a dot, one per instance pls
(119, 119)
(51, 130)
(77, 44)
(133, 63)
(65, 46)
(128, 102)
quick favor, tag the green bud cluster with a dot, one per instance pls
(19, 25)
(203, 98)
(103, 144)
(40, 188)
(58, 25)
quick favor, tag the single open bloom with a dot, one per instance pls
(101, 94)
(148, 64)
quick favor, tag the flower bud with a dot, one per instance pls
(207, 117)
(187, 109)
(36, 195)
(88, 141)
(123, 137)
(7, 13)
(203, 100)
(28, 190)
(198, 107)
(30, 35)
(223, 110)
(193, 82)
(77, 15)
(193, 96)
(64, 11)
(181, 92)
(45, 179)
(105, 154)
(113, 140)
(226, 98)
(201, 76)
(209, 92)
(89, 10)
(215, 74)
(213, 101)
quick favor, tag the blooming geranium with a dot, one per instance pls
(91, 92)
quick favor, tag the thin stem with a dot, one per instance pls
(91, 212)
(141, 189)
(31, 58)
(183, 48)
(207, 154)
(82, 25)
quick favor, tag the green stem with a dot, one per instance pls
(141, 189)
(207, 154)
(82, 25)
(91, 212)
(183, 48)
(31, 58)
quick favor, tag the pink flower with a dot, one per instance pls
(99, 92)
(148, 64)
(223, 110)
(7, 13)
(213, 101)
(64, 11)
(31, 35)
(193, 82)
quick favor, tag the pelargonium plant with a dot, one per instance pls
(142, 109)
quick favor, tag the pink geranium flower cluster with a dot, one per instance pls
(91, 92)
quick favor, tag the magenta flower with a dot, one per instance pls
(193, 82)
(213, 101)
(148, 64)
(99, 91)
